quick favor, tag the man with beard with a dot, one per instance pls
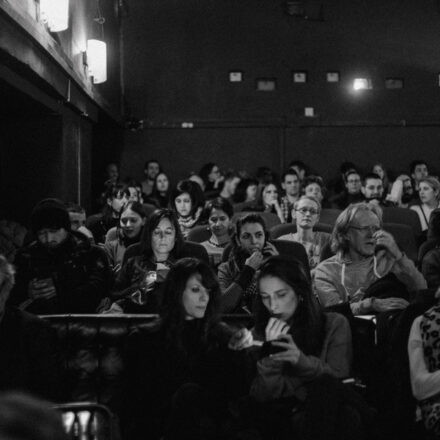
(60, 272)
(402, 192)
(372, 188)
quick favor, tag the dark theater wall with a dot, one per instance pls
(178, 56)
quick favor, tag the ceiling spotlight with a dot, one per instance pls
(362, 84)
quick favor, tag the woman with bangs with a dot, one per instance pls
(187, 202)
(182, 390)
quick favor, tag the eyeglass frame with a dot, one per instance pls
(311, 211)
(364, 229)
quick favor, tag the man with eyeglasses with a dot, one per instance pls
(305, 214)
(352, 192)
(365, 253)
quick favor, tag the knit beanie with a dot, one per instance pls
(51, 214)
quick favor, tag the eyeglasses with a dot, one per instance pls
(365, 229)
(304, 211)
(353, 181)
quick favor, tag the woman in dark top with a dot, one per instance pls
(185, 373)
(305, 354)
(138, 284)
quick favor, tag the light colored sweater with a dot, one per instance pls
(337, 279)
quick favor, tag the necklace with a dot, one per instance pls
(218, 245)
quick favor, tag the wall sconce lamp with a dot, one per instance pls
(96, 52)
(97, 60)
(55, 13)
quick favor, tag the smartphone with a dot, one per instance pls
(268, 348)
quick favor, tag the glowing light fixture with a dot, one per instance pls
(55, 13)
(97, 60)
(362, 84)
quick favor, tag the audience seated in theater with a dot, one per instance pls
(134, 189)
(402, 192)
(29, 361)
(151, 169)
(212, 178)
(352, 192)
(219, 213)
(24, 417)
(77, 215)
(246, 191)
(299, 367)
(313, 186)
(231, 180)
(430, 263)
(185, 374)
(187, 202)
(424, 355)
(99, 224)
(301, 169)
(380, 170)
(250, 247)
(365, 253)
(160, 196)
(131, 221)
(292, 192)
(138, 286)
(372, 189)
(418, 171)
(429, 195)
(60, 272)
(306, 214)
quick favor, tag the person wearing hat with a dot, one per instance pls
(60, 272)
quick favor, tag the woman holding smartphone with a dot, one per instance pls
(180, 372)
(305, 354)
(237, 276)
(139, 283)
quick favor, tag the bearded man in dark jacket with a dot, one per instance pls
(60, 272)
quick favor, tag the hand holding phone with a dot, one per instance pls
(41, 288)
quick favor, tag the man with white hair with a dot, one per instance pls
(365, 253)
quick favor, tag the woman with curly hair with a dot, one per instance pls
(184, 375)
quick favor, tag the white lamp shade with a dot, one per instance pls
(97, 60)
(55, 13)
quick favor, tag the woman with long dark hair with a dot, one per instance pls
(183, 375)
(131, 221)
(138, 284)
(237, 275)
(305, 354)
